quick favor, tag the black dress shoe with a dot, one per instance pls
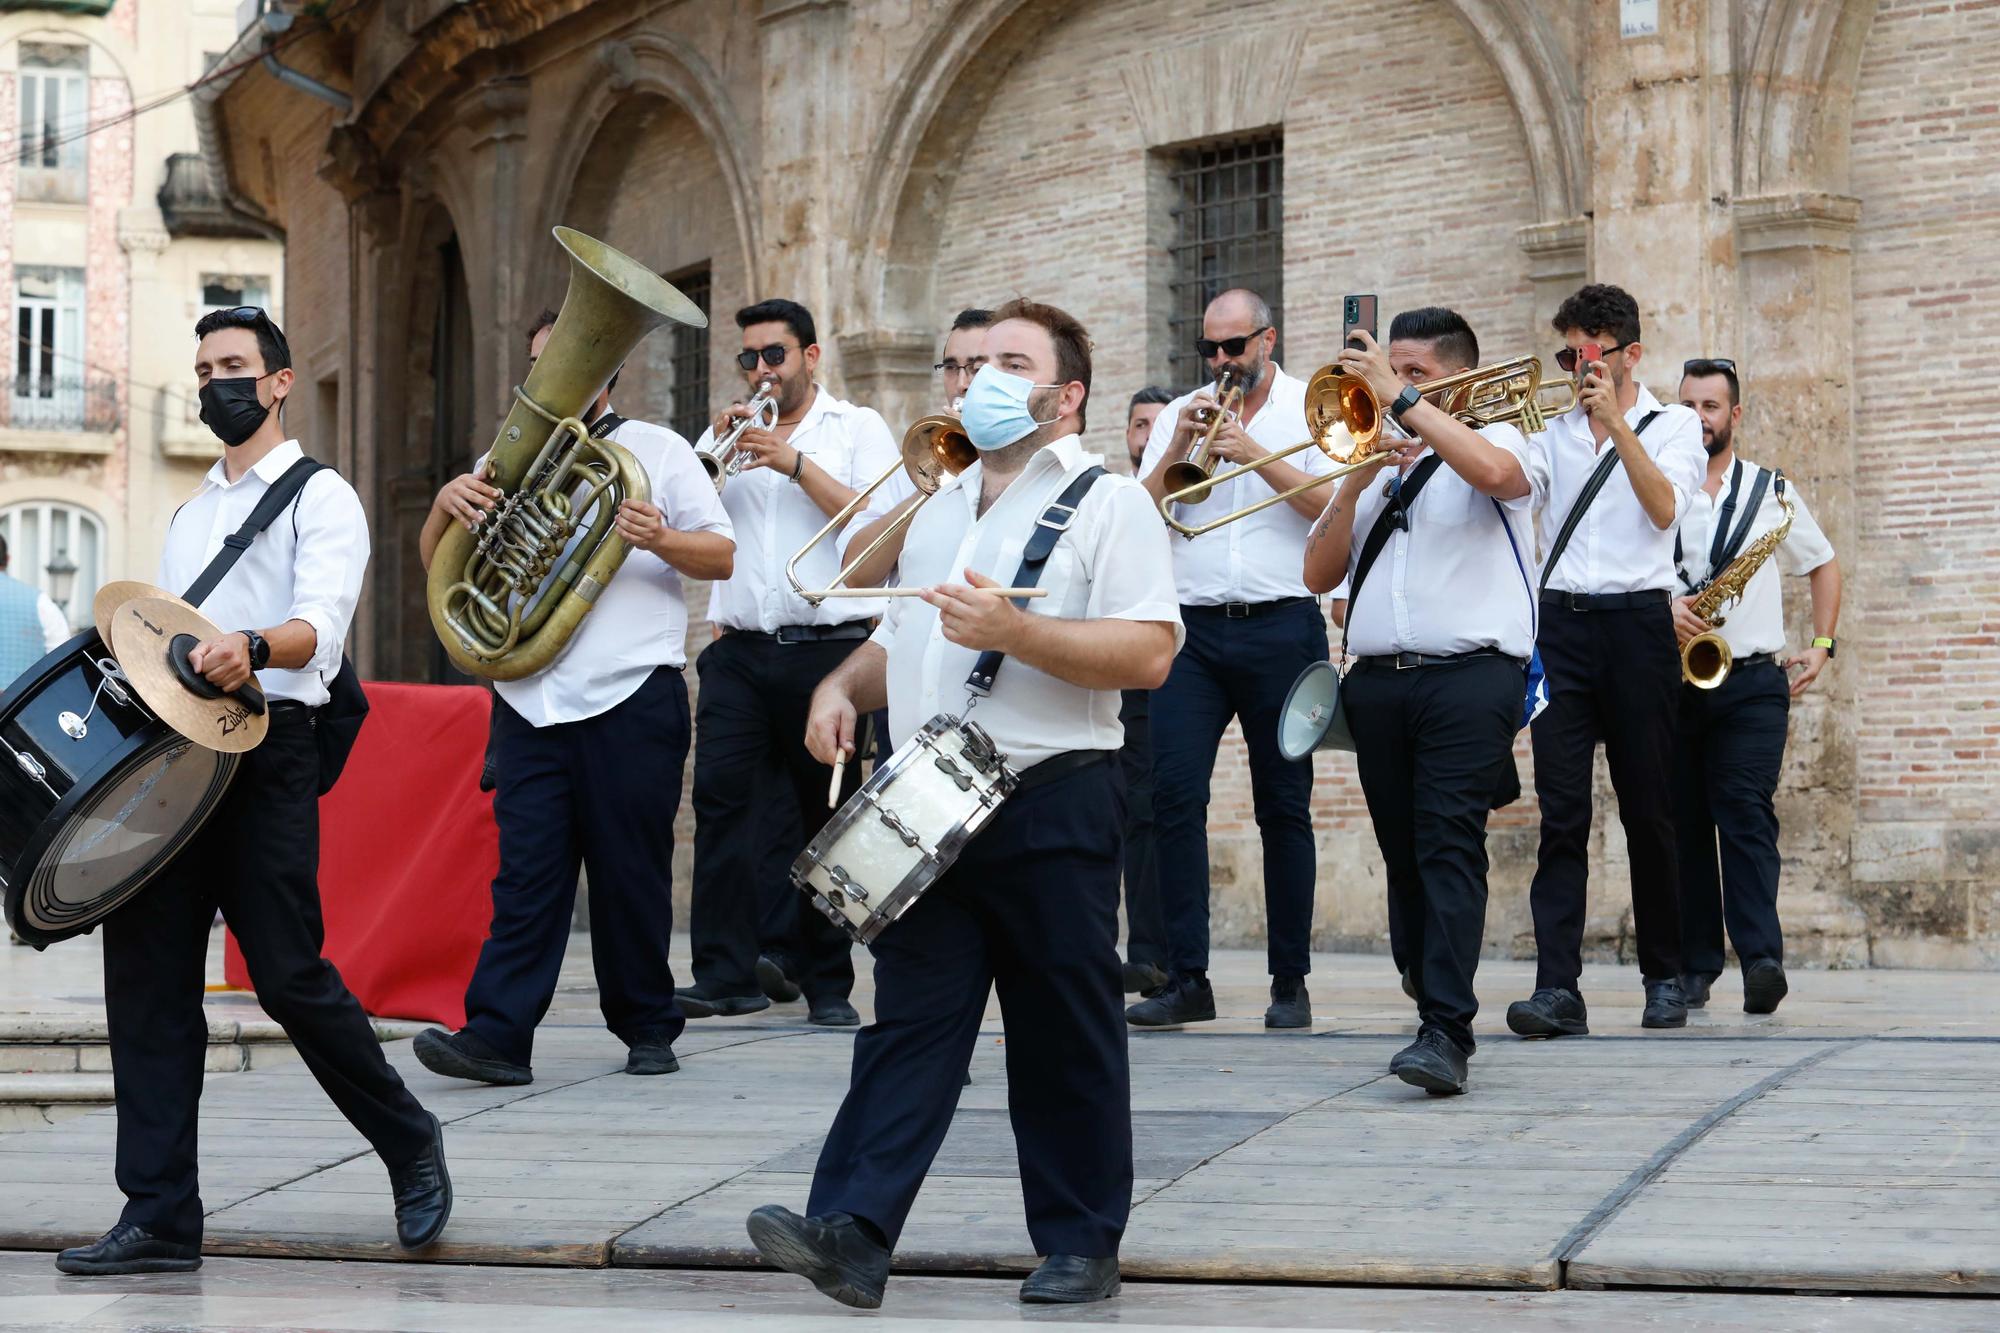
(1071, 1279)
(1432, 1062)
(1185, 1000)
(422, 1190)
(1666, 1005)
(830, 1252)
(1290, 1007)
(127, 1248)
(1410, 987)
(1549, 1012)
(651, 1057)
(1695, 987)
(464, 1055)
(833, 1013)
(698, 1002)
(775, 983)
(1764, 985)
(1144, 979)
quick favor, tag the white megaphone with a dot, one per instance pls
(1313, 718)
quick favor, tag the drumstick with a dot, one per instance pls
(833, 789)
(817, 594)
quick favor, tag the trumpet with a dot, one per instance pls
(1196, 467)
(934, 449)
(1346, 421)
(723, 458)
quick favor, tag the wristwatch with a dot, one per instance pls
(1405, 400)
(260, 649)
(1826, 642)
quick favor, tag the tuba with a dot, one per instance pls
(506, 597)
(1707, 657)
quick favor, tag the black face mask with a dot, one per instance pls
(230, 408)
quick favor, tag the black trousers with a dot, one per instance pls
(1235, 669)
(1732, 744)
(599, 794)
(755, 785)
(1145, 927)
(1613, 676)
(1427, 742)
(1030, 906)
(258, 860)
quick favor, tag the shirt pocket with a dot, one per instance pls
(1448, 501)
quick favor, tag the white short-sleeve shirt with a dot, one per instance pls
(1757, 623)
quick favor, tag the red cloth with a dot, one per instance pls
(408, 851)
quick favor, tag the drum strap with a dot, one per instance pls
(1049, 529)
(283, 491)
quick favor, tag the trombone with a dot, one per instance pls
(1346, 421)
(934, 449)
(1197, 466)
(723, 458)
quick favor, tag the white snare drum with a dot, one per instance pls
(902, 830)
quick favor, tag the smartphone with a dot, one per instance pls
(1357, 312)
(1586, 354)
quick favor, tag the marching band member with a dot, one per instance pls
(1439, 631)
(1145, 928)
(293, 592)
(1031, 904)
(1607, 644)
(587, 753)
(1251, 628)
(771, 649)
(1732, 738)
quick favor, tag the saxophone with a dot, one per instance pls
(1706, 658)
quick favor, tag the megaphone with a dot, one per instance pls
(1312, 719)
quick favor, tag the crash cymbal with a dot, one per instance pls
(114, 595)
(144, 634)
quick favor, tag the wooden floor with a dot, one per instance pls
(1852, 1143)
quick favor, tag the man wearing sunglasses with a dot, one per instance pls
(1607, 643)
(1732, 737)
(772, 648)
(1440, 632)
(1251, 628)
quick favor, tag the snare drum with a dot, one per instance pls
(905, 827)
(96, 794)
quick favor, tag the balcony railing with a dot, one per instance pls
(60, 403)
(191, 207)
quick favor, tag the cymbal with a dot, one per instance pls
(114, 595)
(142, 631)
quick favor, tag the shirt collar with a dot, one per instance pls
(1579, 419)
(1064, 454)
(267, 469)
(824, 404)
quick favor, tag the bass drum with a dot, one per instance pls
(96, 794)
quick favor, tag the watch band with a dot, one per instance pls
(1824, 641)
(1405, 400)
(260, 649)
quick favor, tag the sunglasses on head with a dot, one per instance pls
(257, 315)
(1206, 348)
(774, 355)
(1566, 358)
(1708, 365)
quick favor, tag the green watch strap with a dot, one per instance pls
(1824, 641)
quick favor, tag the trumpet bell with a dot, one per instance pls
(1338, 403)
(1311, 719)
(935, 448)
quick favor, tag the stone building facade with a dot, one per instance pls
(112, 243)
(1803, 185)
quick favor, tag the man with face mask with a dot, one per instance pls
(291, 596)
(1251, 628)
(1031, 904)
(1732, 738)
(756, 679)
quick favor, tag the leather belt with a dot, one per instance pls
(1405, 661)
(1061, 766)
(290, 708)
(853, 629)
(1755, 659)
(1604, 601)
(1245, 610)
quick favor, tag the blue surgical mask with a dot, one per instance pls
(995, 412)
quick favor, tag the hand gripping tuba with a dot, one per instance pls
(505, 598)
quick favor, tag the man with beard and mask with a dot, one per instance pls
(1251, 628)
(772, 648)
(587, 753)
(1031, 904)
(1732, 737)
(1620, 469)
(291, 595)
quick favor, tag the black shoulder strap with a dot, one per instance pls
(1385, 523)
(1725, 551)
(604, 425)
(283, 491)
(1598, 477)
(1728, 507)
(1049, 528)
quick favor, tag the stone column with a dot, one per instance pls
(1558, 263)
(494, 238)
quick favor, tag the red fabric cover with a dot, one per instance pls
(408, 851)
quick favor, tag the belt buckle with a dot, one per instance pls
(1405, 661)
(1236, 610)
(1572, 601)
(780, 635)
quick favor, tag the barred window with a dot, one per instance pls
(1228, 231)
(690, 359)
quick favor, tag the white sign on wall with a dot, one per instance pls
(1638, 18)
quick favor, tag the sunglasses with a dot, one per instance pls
(1708, 365)
(1206, 348)
(1397, 517)
(1566, 358)
(774, 355)
(257, 315)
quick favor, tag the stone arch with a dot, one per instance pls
(1795, 98)
(27, 27)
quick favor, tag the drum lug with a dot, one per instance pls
(954, 772)
(845, 883)
(31, 766)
